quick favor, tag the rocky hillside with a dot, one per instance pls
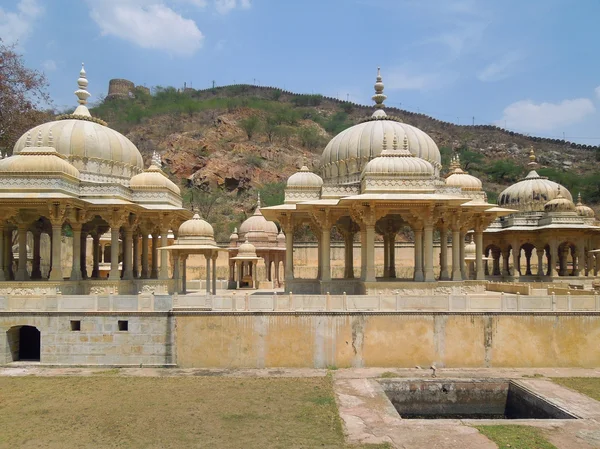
(223, 145)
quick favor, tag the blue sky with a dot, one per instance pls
(530, 65)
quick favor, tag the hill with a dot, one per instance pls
(222, 145)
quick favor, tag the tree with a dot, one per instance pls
(251, 125)
(22, 93)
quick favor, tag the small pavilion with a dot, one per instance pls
(268, 242)
(246, 263)
(195, 236)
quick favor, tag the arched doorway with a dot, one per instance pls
(24, 343)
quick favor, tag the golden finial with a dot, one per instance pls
(532, 162)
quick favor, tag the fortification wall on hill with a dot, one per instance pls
(122, 88)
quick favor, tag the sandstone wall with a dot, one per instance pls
(387, 340)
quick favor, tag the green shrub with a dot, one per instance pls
(254, 160)
(250, 125)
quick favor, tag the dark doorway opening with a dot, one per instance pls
(24, 343)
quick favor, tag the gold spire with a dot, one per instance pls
(532, 162)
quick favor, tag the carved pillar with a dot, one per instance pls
(2, 251)
(154, 269)
(136, 255)
(36, 271)
(553, 258)
(114, 254)
(363, 252)
(370, 235)
(418, 274)
(597, 267)
(479, 272)
(348, 255)
(386, 256)
(539, 252)
(392, 254)
(83, 255)
(207, 257)
(238, 264)
(289, 252)
(22, 274)
(96, 249)
(516, 253)
(326, 251)
(428, 253)
(214, 273)
(7, 252)
(456, 265)
(528, 254)
(506, 261)
(179, 285)
(145, 271)
(444, 276)
(76, 266)
(128, 254)
(496, 261)
(164, 255)
(589, 263)
(184, 274)
(56, 268)
(464, 274)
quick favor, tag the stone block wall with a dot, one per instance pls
(148, 340)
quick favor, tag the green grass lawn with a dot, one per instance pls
(516, 437)
(108, 411)
(587, 385)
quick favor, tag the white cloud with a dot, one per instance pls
(501, 68)
(49, 65)
(16, 26)
(525, 115)
(412, 79)
(147, 23)
(597, 90)
(224, 6)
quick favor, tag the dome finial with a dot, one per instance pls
(28, 139)
(39, 138)
(405, 143)
(532, 162)
(379, 96)
(50, 139)
(384, 146)
(156, 159)
(579, 203)
(258, 201)
(82, 93)
(395, 143)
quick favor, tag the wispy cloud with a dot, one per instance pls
(597, 91)
(148, 24)
(49, 65)
(413, 78)
(225, 6)
(502, 68)
(17, 25)
(528, 116)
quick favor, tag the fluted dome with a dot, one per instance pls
(470, 248)
(246, 250)
(459, 178)
(531, 193)
(196, 230)
(153, 179)
(397, 163)
(304, 179)
(583, 210)
(346, 155)
(42, 160)
(257, 223)
(98, 152)
(559, 204)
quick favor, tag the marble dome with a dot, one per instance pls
(153, 178)
(42, 160)
(101, 154)
(460, 178)
(258, 224)
(304, 179)
(559, 204)
(398, 163)
(583, 210)
(196, 230)
(346, 155)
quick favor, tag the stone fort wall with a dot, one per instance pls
(122, 88)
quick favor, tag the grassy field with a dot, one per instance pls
(108, 411)
(587, 385)
(516, 437)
